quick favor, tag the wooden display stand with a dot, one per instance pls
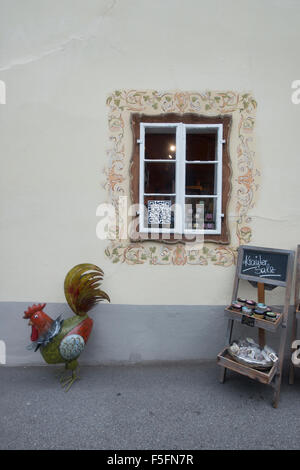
(263, 266)
(295, 315)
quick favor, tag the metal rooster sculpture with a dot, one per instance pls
(62, 341)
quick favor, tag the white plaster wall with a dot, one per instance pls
(60, 59)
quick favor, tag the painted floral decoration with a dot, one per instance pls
(242, 107)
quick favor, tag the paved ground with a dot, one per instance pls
(178, 406)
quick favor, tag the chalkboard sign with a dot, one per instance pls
(264, 264)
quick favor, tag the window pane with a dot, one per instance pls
(160, 143)
(201, 144)
(159, 177)
(159, 212)
(201, 178)
(194, 209)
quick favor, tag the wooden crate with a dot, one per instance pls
(258, 322)
(265, 377)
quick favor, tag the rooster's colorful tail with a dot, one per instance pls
(82, 288)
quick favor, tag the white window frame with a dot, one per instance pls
(180, 189)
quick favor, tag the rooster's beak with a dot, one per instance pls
(30, 323)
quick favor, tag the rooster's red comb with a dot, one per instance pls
(31, 310)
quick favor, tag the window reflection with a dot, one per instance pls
(201, 144)
(160, 143)
(159, 177)
(200, 178)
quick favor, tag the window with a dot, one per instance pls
(181, 175)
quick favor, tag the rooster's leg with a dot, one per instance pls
(61, 374)
(69, 382)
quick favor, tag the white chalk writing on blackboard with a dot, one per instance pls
(259, 266)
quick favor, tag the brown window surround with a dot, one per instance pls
(189, 118)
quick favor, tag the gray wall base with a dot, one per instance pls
(125, 334)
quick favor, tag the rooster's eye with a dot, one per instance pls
(36, 316)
